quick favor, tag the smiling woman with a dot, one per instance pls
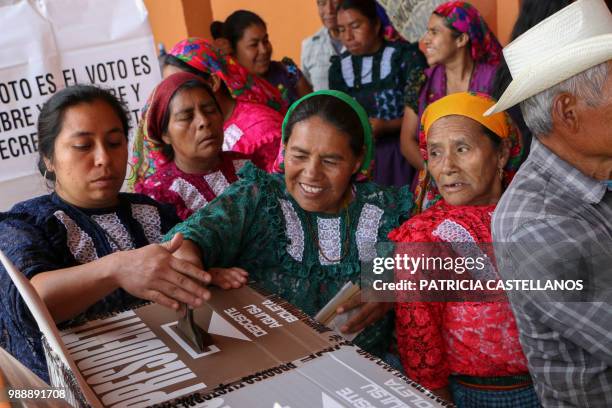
(303, 234)
(87, 249)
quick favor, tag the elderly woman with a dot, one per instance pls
(249, 127)
(182, 129)
(473, 346)
(303, 234)
(376, 73)
(463, 55)
(248, 37)
(86, 248)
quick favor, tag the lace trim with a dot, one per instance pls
(294, 231)
(148, 217)
(231, 135)
(116, 230)
(385, 62)
(217, 182)
(189, 194)
(465, 245)
(366, 235)
(347, 71)
(330, 240)
(239, 164)
(80, 244)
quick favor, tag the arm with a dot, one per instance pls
(408, 142)
(150, 272)
(381, 127)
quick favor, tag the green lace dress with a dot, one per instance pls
(256, 225)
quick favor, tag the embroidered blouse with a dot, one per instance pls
(190, 192)
(437, 339)
(254, 130)
(256, 225)
(45, 234)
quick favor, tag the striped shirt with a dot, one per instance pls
(555, 223)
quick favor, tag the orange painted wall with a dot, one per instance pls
(175, 20)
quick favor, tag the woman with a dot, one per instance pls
(463, 55)
(183, 126)
(303, 234)
(86, 248)
(376, 73)
(249, 127)
(473, 346)
(248, 37)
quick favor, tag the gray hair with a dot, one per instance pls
(587, 85)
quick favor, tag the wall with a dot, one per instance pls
(175, 20)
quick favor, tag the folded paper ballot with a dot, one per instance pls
(265, 353)
(328, 316)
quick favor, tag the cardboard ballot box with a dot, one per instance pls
(266, 353)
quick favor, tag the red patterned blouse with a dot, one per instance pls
(437, 339)
(190, 192)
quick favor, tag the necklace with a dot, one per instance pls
(345, 243)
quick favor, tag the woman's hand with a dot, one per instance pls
(228, 278)
(381, 127)
(154, 273)
(369, 313)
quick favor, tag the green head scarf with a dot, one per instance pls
(364, 170)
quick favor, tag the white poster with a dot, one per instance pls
(49, 44)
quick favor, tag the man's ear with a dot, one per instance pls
(565, 113)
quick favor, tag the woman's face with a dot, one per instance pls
(195, 129)
(319, 163)
(357, 33)
(90, 156)
(464, 162)
(440, 46)
(254, 50)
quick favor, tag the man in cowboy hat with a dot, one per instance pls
(554, 223)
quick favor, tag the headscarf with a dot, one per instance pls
(147, 149)
(366, 165)
(465, 18)
(203, 56)
(472, 105)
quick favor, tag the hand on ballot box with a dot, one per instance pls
(363, 314)
(154, 273)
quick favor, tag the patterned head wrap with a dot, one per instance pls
(472, 105)
(203, 56)
(147, 152)
(366, 165)
(465, 18)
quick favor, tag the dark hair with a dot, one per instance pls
(216, 30)
(365, 7)
(335, 112)
(191, 84)
(237, 22)
(171, 60)
(51, 117)
(495, 139)
(532, 12)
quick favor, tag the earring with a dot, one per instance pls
(500, 172)
(132, 171)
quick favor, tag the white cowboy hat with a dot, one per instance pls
(570, 41)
